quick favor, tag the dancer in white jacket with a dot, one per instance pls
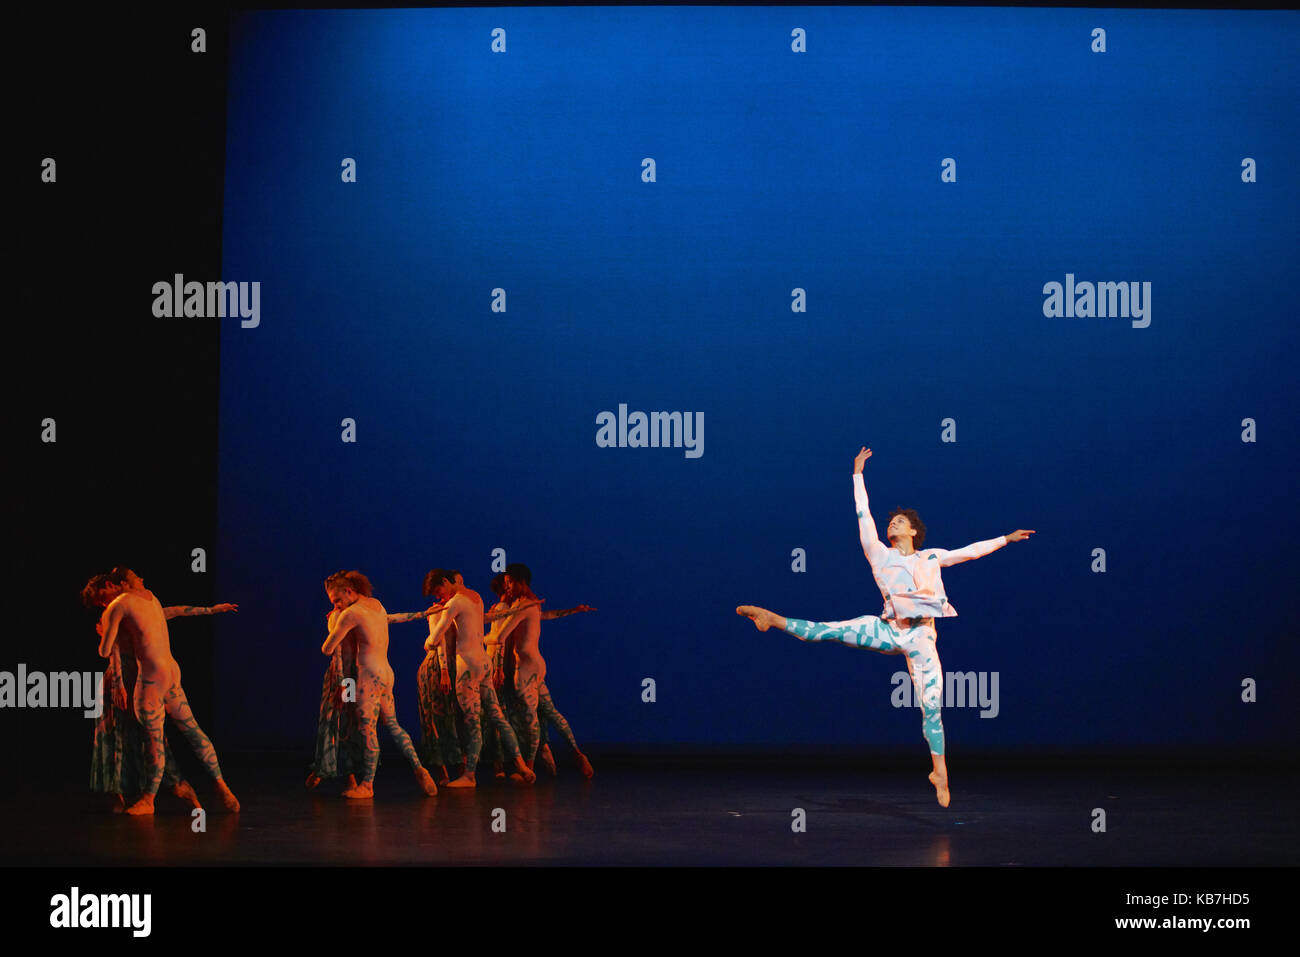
(908, 577)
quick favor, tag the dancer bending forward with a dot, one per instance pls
(908, 577)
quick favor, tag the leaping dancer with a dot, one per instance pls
(908, 577)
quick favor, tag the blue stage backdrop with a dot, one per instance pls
(486, 239)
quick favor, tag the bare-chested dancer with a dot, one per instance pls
(546, 711)
(463, 608)
(908, 577)
(136, 614)
(365, 619)
(520, 636)
(119, 751)
(340, 749)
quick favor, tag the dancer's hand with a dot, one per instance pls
(99, 628)
(861, 460)
(433, 609)
(1020, 534)
(228, 606)
(444, 683)
(498, 678)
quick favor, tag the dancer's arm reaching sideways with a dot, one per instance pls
(497, 615)
(185, 611)
(414, 615)
(977, 549)
(561, 612)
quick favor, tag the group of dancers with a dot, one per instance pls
(142, 688)
(462, 718)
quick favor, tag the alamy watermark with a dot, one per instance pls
(60, 689)
(651, 430)
(211, 300)
(76, 909)
(961, 689)
(1102, 300)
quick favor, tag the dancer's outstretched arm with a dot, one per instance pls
(513, 621)
(976, 549)
(872, 547)
(186, 611)
(561, 612)
(497, 615)
(402, 616)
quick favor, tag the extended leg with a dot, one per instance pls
(866, 632)
(178, 709)
(388, 715)
(546, 711)
(494, 717)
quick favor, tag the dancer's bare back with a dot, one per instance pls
(138, 617)
(526, 628)
(366, 622)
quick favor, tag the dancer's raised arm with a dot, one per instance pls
(977, 549)
(872, 546)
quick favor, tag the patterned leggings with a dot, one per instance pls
(477, 699)
(153, 705)
(527, 689)
(547, 712)
(375, 703)
(917, 642)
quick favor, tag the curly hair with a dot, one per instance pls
(358, 582)
(915, 520)
(93, 589)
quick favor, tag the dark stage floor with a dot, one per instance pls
(711, 814)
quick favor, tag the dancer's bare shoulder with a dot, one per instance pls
(128, 607)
